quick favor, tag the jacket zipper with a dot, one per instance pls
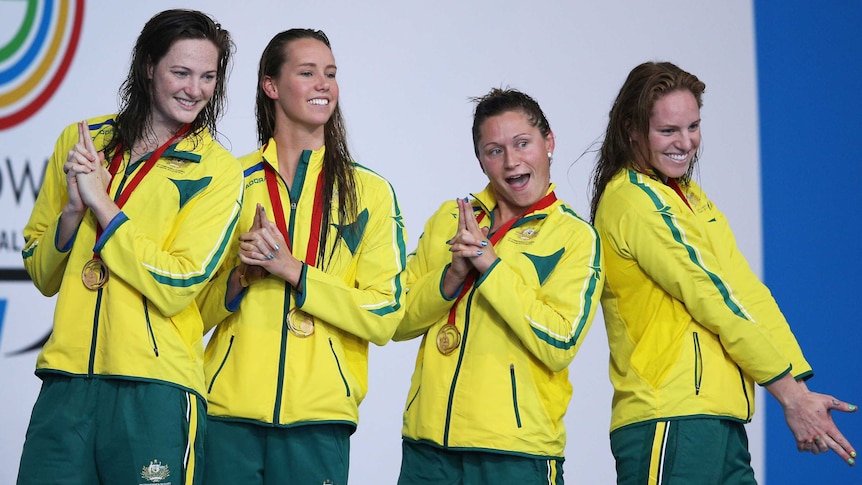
(92, 364)
(515, 394)
(698, 364)
(150, 328)
(223, 362)
(282, 356)
(413, 399)
(744, 393)
(457, 368)
(340, 372)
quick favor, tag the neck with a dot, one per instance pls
(154, 136)
(290, 143)
(502, 215)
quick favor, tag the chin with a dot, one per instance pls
(675, 172)
(187, 118)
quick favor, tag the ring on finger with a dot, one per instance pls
(270, 256)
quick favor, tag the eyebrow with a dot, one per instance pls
(671, 125)
(187, 68)
(314, 64)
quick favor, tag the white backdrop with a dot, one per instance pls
(406, 71)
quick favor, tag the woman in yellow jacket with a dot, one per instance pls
(317, 277)
(502, 289)
(690, 327)
(134, 216)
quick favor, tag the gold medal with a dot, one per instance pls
(300, 323)
(448, 339)
(95, 274)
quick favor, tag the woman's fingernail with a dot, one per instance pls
(484, 243)
(851, 461)
(448, 241)
(853, 454)
(479, 253)
(851, 407)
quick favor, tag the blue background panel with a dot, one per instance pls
(810, 86)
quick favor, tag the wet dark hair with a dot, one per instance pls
(155, 40)
(338, 166)
(499, 101)
(630, 115)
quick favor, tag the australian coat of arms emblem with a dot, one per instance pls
(155, 472)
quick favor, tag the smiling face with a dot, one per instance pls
(183, 82)
(305, 90)
(674, 133)
(514, 155)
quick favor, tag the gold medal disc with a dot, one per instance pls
(300, 323)
(448, 339)
(95, 274)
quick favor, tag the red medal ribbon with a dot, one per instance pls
(542, 203)
(280, 220)
(675, 186)
(126, 192)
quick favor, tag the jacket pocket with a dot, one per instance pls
(415, 395)
(221, 365)
(340, 371)
(150, 328)
(698, 363)
(515, 394)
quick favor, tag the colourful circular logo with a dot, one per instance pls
(35, 59)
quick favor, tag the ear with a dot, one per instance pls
(634, 135)
(150, 69)
(269, 87)
(550, 142)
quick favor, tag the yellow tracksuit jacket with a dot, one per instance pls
(257, 371)
(506, 388)
(169, 239)
(690, 326)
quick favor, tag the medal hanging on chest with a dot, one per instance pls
(448, 336)
(448, 339)
(95, 272)
(298, 322)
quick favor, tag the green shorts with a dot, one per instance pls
(98, 430)
(423, 464)
(252, 454)
(683, 452)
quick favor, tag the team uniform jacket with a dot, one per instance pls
(506, 388)
(169, 239)
(690, 326)
(257, 370)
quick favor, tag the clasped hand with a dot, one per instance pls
(87, 178)
(263, 250)
(470, 247)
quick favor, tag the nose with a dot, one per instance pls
(684, 141)
(510, 159)
(193, 88)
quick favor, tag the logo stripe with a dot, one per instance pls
(12, 47)
(19, 67)
(39, 73)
